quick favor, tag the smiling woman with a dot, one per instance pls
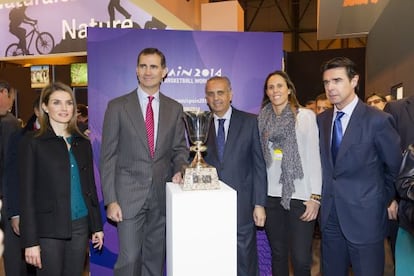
(59, 203)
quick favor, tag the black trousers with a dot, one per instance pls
(289, 235)
(65, 257)
(13, 256)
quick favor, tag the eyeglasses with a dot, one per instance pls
(376, 101)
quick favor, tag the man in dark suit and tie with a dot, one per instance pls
(143, 147)
(14, 263)
(233, 147)
(360, 155)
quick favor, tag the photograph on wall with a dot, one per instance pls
(39, 75)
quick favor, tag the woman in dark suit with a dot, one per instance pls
(59, 204)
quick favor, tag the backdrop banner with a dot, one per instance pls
(60, 26)
(192, 58)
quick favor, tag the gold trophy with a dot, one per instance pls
(199, 175)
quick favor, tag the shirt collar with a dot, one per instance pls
(349, 108)
(143, 96)
(226, 116)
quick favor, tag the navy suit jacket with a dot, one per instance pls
(361, 184)
(243, 167)
(403, 113)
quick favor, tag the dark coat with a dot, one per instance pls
(45, 187)
(403, 113)
(11, 182)
(243, 167)
(361, 184)
(405, 189)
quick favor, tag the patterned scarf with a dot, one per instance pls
(280, 131)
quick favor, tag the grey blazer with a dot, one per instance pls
(126, 168)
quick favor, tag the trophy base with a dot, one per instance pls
(200, 179)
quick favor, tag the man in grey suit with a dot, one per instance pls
(240, 164)
(143, 147)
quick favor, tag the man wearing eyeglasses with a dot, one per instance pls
(376, 100)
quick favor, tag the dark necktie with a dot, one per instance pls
(221, 139)
(149, 125)
(336, 134)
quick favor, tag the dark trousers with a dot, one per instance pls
(287, 233)
(247, 263)
(65, 257)
(13, 256)
(142, 242)
(338, 253)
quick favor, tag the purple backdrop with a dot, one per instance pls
(192, 58)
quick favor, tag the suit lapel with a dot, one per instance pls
(133, 109)
(353, 130)
(162, 119)
(212, 144)
(326, 138)
(233, 134)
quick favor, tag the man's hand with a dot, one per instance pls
(114, 212)
(177, 178)
(259, 215)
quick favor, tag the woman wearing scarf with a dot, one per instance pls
(290, 144)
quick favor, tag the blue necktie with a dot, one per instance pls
(221, 140)
(336, 134)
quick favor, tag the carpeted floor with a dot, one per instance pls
(264, 252)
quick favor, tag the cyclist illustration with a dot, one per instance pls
(44, 41)
(116, 5)
(18, 16)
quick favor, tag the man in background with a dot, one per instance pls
(376, 100)
(311, 104)
(322, 103)
(82, 118)
(14, 264)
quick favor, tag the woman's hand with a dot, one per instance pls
(311, 212)
(97, 240)
(32, 256)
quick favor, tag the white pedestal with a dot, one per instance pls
(201, 231)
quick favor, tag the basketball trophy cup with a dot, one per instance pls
(199, 175)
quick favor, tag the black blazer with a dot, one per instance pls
(403, 113)
(11, 190)
(405, 189)
(44, 170)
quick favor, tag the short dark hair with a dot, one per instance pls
(152, 51)
(342, 62)
(321, 97)
(378, 95)
(5, 85)
(83, 110)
